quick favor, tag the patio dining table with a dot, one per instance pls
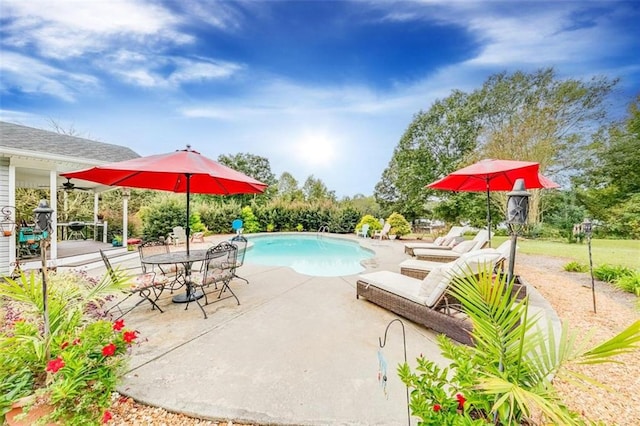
(186, 259)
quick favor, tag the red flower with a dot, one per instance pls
(118, 325)
(64, 345)
(76, 342)
(55, 364)
(437, 408)
(129, 336)
(106, 417)
(461, 400)
(109, 350)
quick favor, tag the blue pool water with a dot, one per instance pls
(309, 254)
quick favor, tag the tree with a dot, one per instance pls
(538, 117)
(315, 190)
(255, 166)
(431, 147)
(611, 174)
(288, 188)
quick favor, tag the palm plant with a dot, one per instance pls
(507, 376)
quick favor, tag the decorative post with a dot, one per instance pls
(587, 228)
(517, 214)
(43, 215)
(382, 344)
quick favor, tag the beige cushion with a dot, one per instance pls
(395, 283)
(476, 261)
(464, 246)
(435, 284)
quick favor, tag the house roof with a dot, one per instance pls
(23, 138)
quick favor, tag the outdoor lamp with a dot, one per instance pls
(7, 224)
(43, 216)
(587, 227)
(517, 213)
(518, 204)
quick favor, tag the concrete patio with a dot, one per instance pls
(298, 350)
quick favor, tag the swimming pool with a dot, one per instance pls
(309, 254)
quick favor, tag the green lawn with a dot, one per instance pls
(612, 252)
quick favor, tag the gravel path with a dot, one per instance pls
(571, 296)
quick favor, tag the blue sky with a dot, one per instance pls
(323, 88)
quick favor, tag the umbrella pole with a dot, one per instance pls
(188, 213)
(488, 213)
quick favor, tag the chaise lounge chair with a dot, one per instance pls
(419, 269)
(426, 301)
(446, 242)
(384, 232)
(478, 242)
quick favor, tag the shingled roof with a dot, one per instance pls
(36, 140)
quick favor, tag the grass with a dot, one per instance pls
(611, 252)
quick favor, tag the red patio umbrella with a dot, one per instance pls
(184, 170)
(493, 175)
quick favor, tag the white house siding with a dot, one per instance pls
(4, 201)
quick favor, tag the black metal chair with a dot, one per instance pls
(219, 267)
(145, 286)
(241, 243)
(149, 248)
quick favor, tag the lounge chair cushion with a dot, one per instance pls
(464, 246)
(395, 283)
(435, 284)
(477, 260)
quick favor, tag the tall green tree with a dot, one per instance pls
(539, 117)
(255, 166)
(431, 147)
(288, 188)
(611, 178)
(315, 190)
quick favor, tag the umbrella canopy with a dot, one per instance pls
(183, 171)
(493, 175)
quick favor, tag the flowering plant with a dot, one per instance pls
(74, 366)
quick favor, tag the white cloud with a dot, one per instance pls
(148, 70)
(62, 29)
(33, 76)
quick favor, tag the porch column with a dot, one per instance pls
(96, 200)
(125, 215)
(12, 202)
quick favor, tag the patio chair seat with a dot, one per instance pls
(146, 285)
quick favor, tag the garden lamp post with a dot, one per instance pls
(587, 228)
(43, 215)
(517, 214)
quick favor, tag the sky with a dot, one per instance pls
(322, 88)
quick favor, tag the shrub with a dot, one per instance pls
(576, 267)
(610, 273)
(218, 216)
(629, 283)
(399, 225)
(374, 224)
(250, 222)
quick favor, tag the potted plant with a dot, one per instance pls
(117, 241)
(75, 366)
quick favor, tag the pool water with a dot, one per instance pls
(309, 254)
